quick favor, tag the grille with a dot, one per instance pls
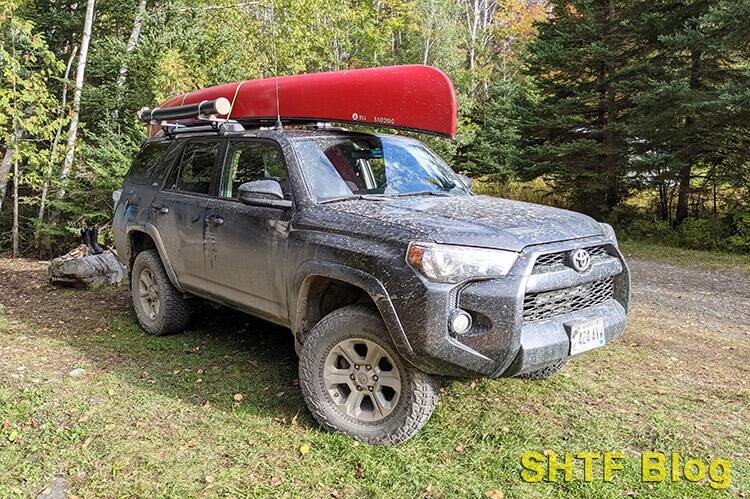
(553, 262)
(548, 304)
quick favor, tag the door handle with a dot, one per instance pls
(160, 209)
(215, 220)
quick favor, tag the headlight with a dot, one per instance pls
(453, 264)
(609, 232)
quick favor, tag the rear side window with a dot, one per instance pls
(144, 164)
(195, 171)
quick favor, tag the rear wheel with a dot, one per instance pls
(354, 381)
(160, 307)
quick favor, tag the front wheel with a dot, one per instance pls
(354, 381)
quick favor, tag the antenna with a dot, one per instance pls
(279, 126)
(278, 114)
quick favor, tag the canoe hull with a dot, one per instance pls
(418, 98)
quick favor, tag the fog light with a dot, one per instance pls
(460, 321)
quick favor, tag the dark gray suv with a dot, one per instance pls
(388, 270)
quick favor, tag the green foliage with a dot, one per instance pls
(729, 233)
(28, 110)
(499, 141)
(601, 101)
(641, 95)
(691, 90)
(575, 130)
(30, 113)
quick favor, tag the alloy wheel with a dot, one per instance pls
(362, 380)
(149, 294)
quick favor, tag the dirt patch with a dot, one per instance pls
(714, 300)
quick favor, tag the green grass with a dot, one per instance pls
(139, 422)
(711, 260)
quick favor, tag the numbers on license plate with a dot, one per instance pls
(586, 336)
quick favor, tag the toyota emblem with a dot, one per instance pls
(580, 260)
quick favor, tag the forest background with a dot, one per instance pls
(635, 112)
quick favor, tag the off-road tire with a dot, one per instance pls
(544, 372)
(419, 391)
(174, 313)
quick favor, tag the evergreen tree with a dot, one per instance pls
(692, 95)
(575, 134)
(498, 144)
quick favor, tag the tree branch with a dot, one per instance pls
(214, 7)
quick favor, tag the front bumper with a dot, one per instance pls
(548, 342)
(506, 339)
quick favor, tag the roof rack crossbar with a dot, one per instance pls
(203, 109)
(220, 126)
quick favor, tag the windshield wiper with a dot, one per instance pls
(421, 193)
(370, 197)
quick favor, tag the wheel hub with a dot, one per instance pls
(362, 379)
(148, 290)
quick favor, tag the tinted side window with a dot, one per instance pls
(195, 171)
(248, 161)
(144, 164)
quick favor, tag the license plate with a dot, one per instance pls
(586, 336)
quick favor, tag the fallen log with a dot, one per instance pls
(88, 271)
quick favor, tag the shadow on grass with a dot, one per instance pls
(221, 354)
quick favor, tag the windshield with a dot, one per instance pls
(341, 167)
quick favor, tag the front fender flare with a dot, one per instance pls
(370, 284)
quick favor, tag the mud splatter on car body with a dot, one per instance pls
(294, 259)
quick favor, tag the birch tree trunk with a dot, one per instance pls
(426, 50)
(63, 101)
(14, 62)
(73, 130)
(15, 202)
(135, 35)
(472, 20)
(5, 167)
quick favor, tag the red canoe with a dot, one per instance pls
(418, 98)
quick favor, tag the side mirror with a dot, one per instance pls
(263, 193)
(466, 181)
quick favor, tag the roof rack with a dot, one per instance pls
(220, 126)
(206, 109)
(192, 118)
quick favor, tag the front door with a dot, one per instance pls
(179, 211)
(245, 251)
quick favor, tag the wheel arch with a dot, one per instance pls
(314, 278)
(142, 238)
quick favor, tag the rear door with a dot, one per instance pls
(246, 246)
(179, 211)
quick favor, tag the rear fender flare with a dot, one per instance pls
(151, 231)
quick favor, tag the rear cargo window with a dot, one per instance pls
(144, 164)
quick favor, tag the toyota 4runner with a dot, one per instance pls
(388, 270)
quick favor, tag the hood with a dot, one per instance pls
(481, 221)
